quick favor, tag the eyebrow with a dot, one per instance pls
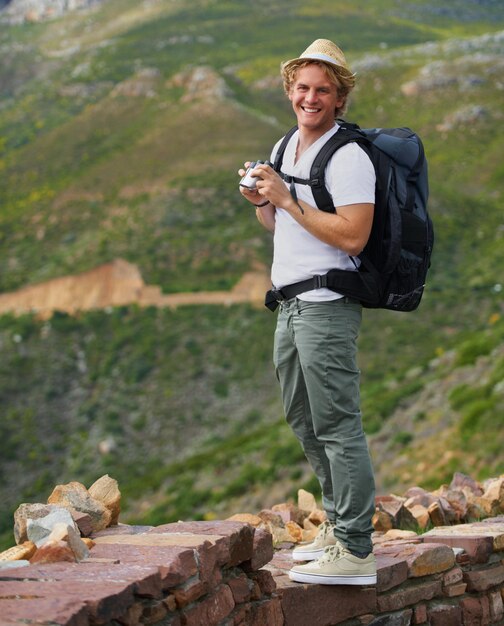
(324, 86)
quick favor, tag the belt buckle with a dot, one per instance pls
(278, 295)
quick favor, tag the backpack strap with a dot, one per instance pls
(346, 133)
(277, 165)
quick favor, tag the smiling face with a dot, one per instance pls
(315, 99)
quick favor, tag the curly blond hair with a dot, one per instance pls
(340, 76)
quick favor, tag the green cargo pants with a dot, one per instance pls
(315, 361)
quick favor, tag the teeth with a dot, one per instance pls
(310, 110)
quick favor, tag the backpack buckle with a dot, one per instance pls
(320, 281)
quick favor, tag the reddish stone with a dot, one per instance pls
(239, 588)
(430, 558)
(463, 559)
(53, 552)
(255, 591)
(190, 592)
(236, 545)
(239, 616)
(153, 612)
(496, 606)
(84, 522)
(211, 610)
(208, 554)
(445, 615)
(146, 580)
(265, 581)
(478, 549)
(323, 605)
(282, 560)
(455, 575)
(133, 614)
(175, 565)
(408, 596)
(61, 611)
(262, 551)
(390, 573)
(104, 601)
(475, 611)
(269, 612)
(482, 580)
(455, 590)
(123, 529)
(419, 614)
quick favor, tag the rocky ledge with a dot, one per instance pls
(226, 573)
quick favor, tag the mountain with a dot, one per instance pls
(122, 126)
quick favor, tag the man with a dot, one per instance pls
(316, 334)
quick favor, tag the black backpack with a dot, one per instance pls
(396, 258)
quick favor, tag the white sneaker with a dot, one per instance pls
(337, 566)
(315, 549)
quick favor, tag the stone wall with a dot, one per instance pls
(226, 574)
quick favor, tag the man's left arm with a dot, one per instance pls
(348, 229)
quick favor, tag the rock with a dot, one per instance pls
(53, 552)
(417, 495)
(69, 535)
(270, 517)
(290, 512)
(83, 521)
(106, 491)
(317, 516)
(461, 482)
(429, 559)
(395, 508)
(142, 84)
(294, 531)
(421, 515)
(494, 496)
(382, 522)
(396, 533)
(454, 503)
(306, 501)
(75, 496)
(246, 518)
(4, 565)
(436, 514)
(200, 83)
(280, 535)
(22, 552)
(39, 529)
(23, 513)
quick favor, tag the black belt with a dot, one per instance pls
(275, 296)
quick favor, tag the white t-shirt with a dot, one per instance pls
(298, 255)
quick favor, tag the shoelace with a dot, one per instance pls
(325, 529)
(332, 552)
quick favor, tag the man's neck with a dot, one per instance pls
(308, 137)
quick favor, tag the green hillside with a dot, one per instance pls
(121, 131)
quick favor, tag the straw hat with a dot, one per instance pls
(322, 50)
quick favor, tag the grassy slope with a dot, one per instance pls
(91, 177)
